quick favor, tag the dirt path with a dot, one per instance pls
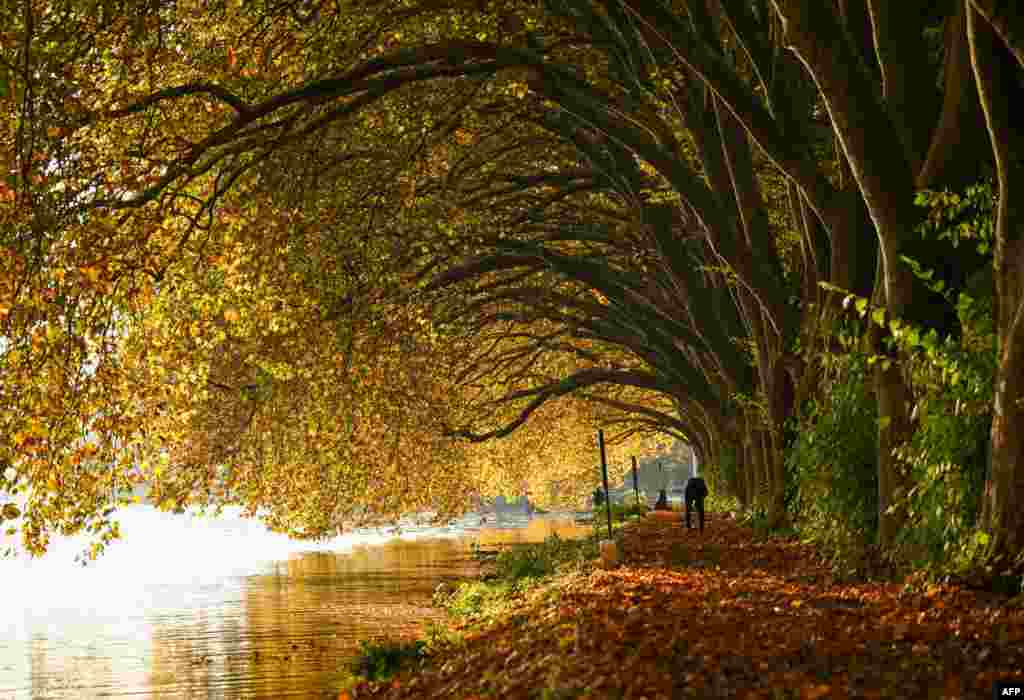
(724, 615)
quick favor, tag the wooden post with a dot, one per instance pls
(604, 476)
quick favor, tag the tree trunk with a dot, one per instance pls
(893, 398)
(1004, 489)
(1007, 21)
(959, 142)
(907, 79)
(1002, 513)
(740, 478)
(762, 302)
(857, 21)
(882, 170)
(753, 469)
(731, 449)
(777, 515)
(760, 446)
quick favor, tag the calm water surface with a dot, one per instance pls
(189, 607)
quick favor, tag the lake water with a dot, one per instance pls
(198, 608)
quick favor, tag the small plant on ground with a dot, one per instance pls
(620, 511)
(545, 558)
(478, 599)
(514, 572)
(833, 461)
(721, 503)
(381, 659)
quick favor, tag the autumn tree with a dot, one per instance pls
(239, 241)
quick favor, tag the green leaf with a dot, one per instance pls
(931, 339)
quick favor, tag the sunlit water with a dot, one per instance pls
(188, 607)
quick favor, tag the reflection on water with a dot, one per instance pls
(195, 608)
(516, 531)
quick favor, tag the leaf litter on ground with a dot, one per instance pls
(725, 614)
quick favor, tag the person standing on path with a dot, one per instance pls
(662, 503)
(695, 493)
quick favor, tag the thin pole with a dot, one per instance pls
(604, 476)
(636, 483)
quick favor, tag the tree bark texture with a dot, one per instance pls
(1007, 20)
(884, 175)
(960, 141)
(869, 138)
(1002, 511)
(907, 79)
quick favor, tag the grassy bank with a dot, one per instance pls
(508, 579)
(724, 614)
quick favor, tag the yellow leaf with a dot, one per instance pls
(92, 273)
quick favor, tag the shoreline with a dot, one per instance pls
(723, 614)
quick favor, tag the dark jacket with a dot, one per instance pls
(696, 489)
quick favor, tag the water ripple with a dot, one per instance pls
(225, 610)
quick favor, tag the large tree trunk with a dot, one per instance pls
(731, 450)
(959, 143)
(1007, 20)
(856, 19)
(774, 383)
(893, 398)
(740, 481)
(759, 445)
(761, 300)
(753, 468)
(881, 166)
(1002, 511)
(777, 515)
(907, 79)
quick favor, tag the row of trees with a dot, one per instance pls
(286, 251)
